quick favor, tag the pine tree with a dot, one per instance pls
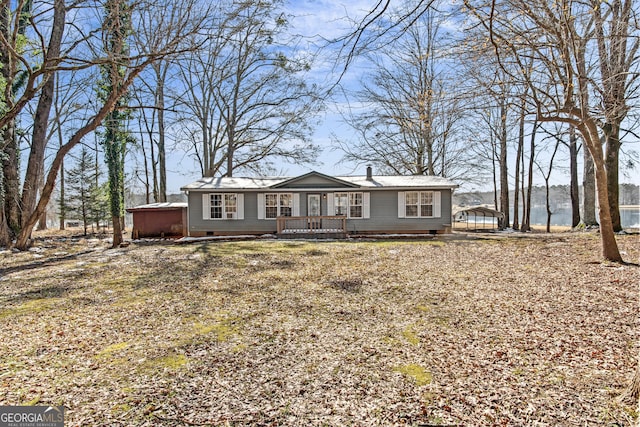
(80, 180)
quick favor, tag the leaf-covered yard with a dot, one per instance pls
(503, 331)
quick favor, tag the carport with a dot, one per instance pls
(478, 218)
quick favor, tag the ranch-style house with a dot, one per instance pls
(318, 204)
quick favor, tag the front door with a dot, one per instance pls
(313, 205)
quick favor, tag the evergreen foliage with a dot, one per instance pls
(86, 201)
(115, 136)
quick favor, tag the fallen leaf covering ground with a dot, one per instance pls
(532, 331)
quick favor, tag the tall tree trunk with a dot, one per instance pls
(615, 28)
(147, 185)
(526, 223)
(35, 165)
(231, 151)
(516, 188)
(116, 221)
(612, 161)
(522, 186)
(588, 191)
(589, 131)
(11, 179)
(504, 173)
(610, 249)
(573, 168)
(42, 222)
(547, 177)
(160, 78)
(494, 176)
(9, 150)
(22, 240)
(154, 172)
(62, 206)
(61, 203)
(548, 206)
(5, 237)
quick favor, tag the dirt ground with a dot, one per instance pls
(465, 330)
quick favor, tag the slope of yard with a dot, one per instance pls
(510, 331)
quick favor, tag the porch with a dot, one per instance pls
(312, 226)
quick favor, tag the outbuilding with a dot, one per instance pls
(159, 220)
(478, 218)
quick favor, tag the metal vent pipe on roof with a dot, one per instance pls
(369, 173)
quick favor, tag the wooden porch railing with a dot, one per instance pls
(311, 224)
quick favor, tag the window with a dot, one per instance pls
(230, 206)
(340, 201)
(355, 205)
(418, 204)
(216, 206)
(222, 206)
(278, 204)
(350, 205)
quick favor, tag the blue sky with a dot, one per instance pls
(318, 19)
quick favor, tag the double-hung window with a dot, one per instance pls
(341, 203)
(355, 205)
(419, 204)
(278, 204)
(222, 206)
(351, 205)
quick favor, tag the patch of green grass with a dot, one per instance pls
(409, 334)
(12, 364)
(441, 320)
(422, 308)
(122, 283)
(121, 408)
(518, 372)
(133, 298)
(112, 349)
(32, 307)
(33, 402)
(170, 361)
(222, 331)
(416, 372)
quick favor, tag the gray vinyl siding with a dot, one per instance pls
(383, 214)
(249, 225)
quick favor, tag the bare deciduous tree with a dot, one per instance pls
(184, 22)
(413, 109)
(245, 98)
(556, 37)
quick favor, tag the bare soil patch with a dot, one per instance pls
(477, 332)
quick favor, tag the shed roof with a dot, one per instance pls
(158, 206)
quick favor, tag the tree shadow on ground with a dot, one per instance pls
(43, 262)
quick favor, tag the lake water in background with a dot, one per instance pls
(629, 216)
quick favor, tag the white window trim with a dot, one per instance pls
(262, 205)
(206, 206)
(366, 204)
(436, 204)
